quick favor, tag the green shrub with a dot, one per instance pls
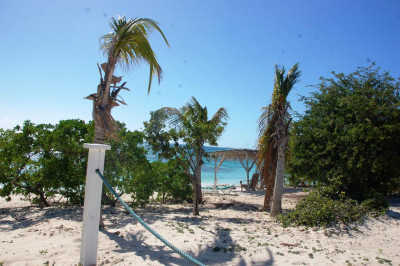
(319, 210)
(348, 138)
(173, 181)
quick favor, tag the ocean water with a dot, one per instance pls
(230, 172)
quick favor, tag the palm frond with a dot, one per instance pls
(221, 116)
(175, 117)
(128, 44)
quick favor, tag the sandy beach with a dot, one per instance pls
(229, 231)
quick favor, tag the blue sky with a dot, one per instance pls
(222, 52)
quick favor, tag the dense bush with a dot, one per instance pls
(127, 168)
(43, 160)
(173, 181)
(348, 138)
(319, 210)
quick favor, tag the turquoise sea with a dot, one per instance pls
(230, 172)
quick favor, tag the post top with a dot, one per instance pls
(97, 146)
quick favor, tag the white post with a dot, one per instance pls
(92, 204)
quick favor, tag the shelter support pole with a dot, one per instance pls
(92, 203)
(248, 174)
(216, 168)
(247, 171)
(247, 168)
(215, 172)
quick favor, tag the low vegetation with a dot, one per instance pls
(318, 209)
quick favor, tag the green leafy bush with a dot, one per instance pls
(43, 160)
(173, 181)
(348, 139)
(319, 210)
(127, 168)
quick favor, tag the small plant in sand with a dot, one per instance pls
(383, 261)
(42, 252)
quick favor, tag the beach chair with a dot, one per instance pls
(219, 188)
(226, 189)
(253, 183)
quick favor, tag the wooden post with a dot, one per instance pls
(92, 203)
(248, 174)
(216, 168)
(215, 172)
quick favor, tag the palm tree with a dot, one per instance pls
(273, 138)
(126, 45)
(191, 122)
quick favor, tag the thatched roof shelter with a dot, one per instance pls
(246, 157)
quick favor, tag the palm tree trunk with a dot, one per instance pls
(99, 137)
(198, 182)
(269, 172)
(269, 189)
(99, 132)
(195, 196)
(278, 191)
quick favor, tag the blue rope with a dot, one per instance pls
(183, 254)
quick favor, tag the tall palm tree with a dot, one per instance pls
(273, 138)
(127, 44)
(191, 121)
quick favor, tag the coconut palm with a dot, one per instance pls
(274, 135)
(191, 122)
(126, 45)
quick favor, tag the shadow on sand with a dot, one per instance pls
(24, 217)
(222, 251)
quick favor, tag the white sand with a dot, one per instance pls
(222, 235)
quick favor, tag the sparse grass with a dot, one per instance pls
(339, 251)
(230, 248)
(348, 263)
(118, 260)
(239, 248)
(42, 252)
(295, 252)
(316, 250)
(180, 227)
(383, 261)
(280, 253)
